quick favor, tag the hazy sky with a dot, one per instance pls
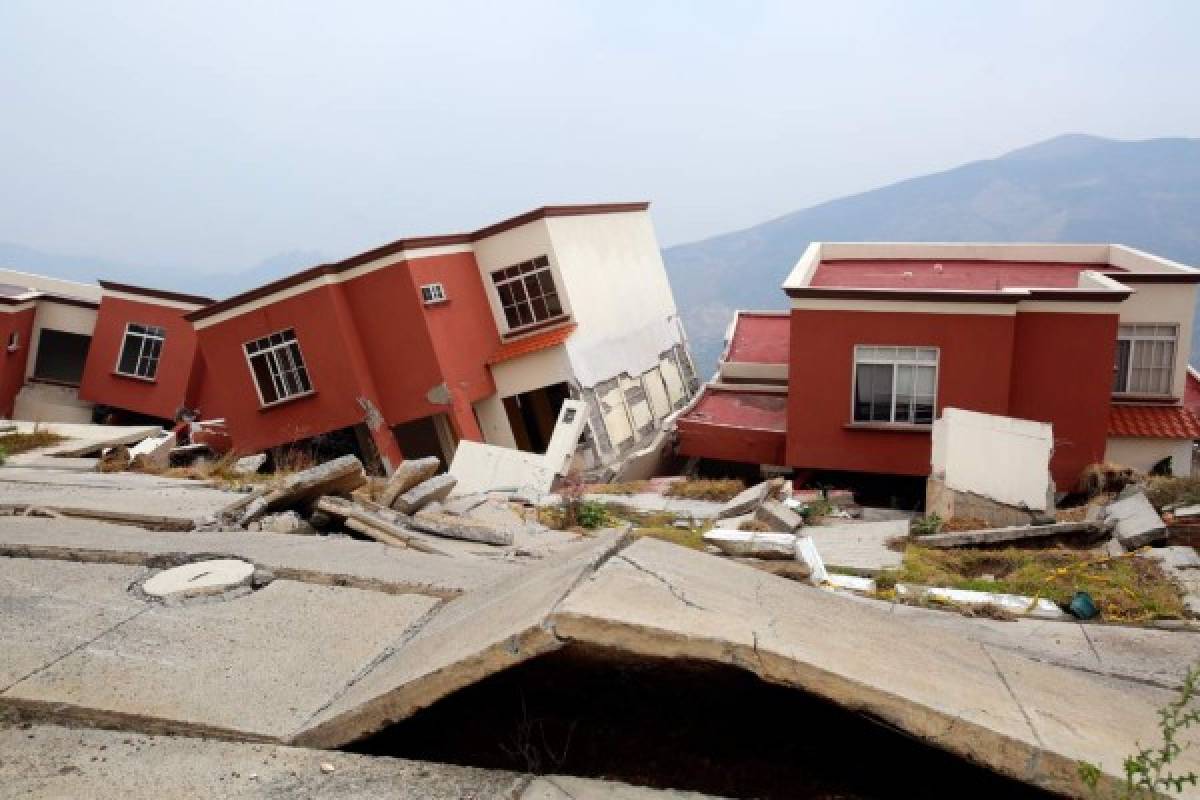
(212, 135)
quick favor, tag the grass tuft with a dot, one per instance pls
(719, 491)
(16, 443)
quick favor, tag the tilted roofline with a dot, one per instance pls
(157, 294)
(412, 243)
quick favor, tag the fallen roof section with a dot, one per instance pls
(735, 425)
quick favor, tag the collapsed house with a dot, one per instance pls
(404, 350)
(1093, 339)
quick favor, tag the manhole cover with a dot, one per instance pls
(201, 578)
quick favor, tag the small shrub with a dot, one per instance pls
(1147, 772)
(592, 514)
(926, 525)
(815, 509)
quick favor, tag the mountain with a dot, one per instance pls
(1072, 188)
(212, 284)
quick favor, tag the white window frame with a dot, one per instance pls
(1133, 337)
(536, 268)
(280, 365)
(433, 293)
(148, 335)
(894, 362)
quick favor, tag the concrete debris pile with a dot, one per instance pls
(406, 511)
(765, 505)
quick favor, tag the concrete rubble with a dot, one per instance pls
(778, 517)
(433, 490)
(749, 500)
(407, 475)
(249, 465)
(1137, 523)
(1013, 535)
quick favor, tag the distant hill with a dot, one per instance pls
(1072, 188)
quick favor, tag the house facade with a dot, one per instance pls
(1093, 339)
(408, 348)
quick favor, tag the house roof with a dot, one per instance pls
(159, 294)
(401, 245)
(1153, 422)
(947, 274)
(737, 408)
(760, 337)
(543, 340)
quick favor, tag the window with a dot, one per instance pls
(1145, 359)
(140, 351)
(433, 293)
(527, 293)
(895, 384)
(278, 367)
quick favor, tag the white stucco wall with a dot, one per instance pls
(1165, 303)
(532, 371)
(493, 422)
(512, 247)
(614, 277)
(1142, 453)
(1002, 458)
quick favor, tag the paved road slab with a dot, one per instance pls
(49, 762)
(471, 637)
(49, 609)
(1026, 719)
(255, 666)
(122, 492)
(334, 560)
(860, 547)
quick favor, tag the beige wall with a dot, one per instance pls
(59, 317)
(533, 371)
(1172, 303)
(1141, 453)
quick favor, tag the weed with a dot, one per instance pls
(1161, 491)
(1123, 588)
(718, 491)
(16, 443)
(816, 508)
(926, 525)
(753, 525)
(592, 514)
(1147, 772)
(629, 487)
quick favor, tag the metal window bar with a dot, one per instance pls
(285, 369)
(911, 393)
(1145, 359)
(140, 350)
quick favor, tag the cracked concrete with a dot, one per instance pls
(323, 666)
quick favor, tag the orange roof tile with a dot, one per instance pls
(1154, 422)
(531, 344)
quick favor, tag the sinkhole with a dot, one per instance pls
(680, 724)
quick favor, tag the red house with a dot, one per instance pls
(1091, 338)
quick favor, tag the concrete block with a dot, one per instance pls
(410, 473)
(1015, 533)
(779, 517)
(753, 544)
(249, 465)
(458, 527)
(1040, 608)
(486, 468)
(748, 500)
(437, 488)
(154, 451)
(1138, 524)
(339, 476)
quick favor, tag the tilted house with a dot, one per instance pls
(410, 347)
(880, 337)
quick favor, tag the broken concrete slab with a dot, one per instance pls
(153, 452)
(1003, 459)
(199, 579)
(467, 529)
(338, 561)
(1008, 535)
(410, 473)
(48, 609)
(205, 668)
(464, 504)
(436, 489)
(1138, 524)
(337, 477)
(470, 638)
(753, 544)
(778, 517)
(1175, 557)
(52, 761)
(748, 500)
(992, 707)
(250, 465)
(1039, 607)
(363, 521)
(480, 467)
(861, 548)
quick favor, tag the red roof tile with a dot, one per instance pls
(1154, 422)
(531, 344)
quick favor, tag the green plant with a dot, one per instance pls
(592, 514)
(817, 508)
(3, 456)
(926, 525)
(1147, 772)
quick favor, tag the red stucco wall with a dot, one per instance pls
(12, 365)
(229, 386)
(161, 397)
(975, 364)
(1063, 375)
